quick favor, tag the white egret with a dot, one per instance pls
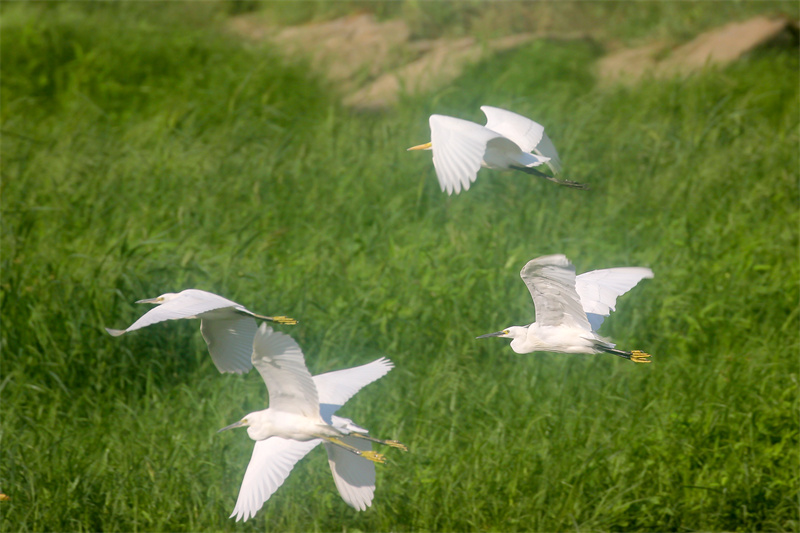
(300, 416)
(508, 142)
(570, 309)
(227, 327)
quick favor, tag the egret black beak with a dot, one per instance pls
(495, 334)
(240, 423)
(426, 146)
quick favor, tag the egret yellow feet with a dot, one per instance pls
(366, 454)
(375, 457)
(285, 320)
(638, 356)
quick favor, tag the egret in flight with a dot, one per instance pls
(570, 309)
(508, 142)
(227, 327)
(300, 416)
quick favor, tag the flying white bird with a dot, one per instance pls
(227, 327)
(508, 142)
(300, 416)
(570, 309)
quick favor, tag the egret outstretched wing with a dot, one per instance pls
(227, 327)
(185, 304)
(279, 360)
(354, 476)
(598, 290)
(526, 133)
(547, 149)
(335, 388)
(523, 131)
(551, 282)
(458, 149)
(270, 465)
(230, 341)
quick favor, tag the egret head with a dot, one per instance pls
(258, 426)
(158, 299)
(512, 332)
(426, 146)
(503, 333)
(519, 335)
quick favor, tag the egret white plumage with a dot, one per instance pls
(227, 327)
(570, 309)
(301, 416)
(508, 142)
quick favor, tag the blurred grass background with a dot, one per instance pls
(146, 150)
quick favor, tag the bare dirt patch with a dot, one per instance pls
(442, 61)
(719, 46)
(372, 62)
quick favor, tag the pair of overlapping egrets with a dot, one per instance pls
(569, 310)
(302, 407)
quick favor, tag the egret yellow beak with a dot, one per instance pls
(150, 301)
(240, 423)
(426, 146)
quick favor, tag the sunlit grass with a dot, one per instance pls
(139, 160)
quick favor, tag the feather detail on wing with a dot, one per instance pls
(335, 388)
(598, 290)
(526, 133)
(186, 304)
(270, 465)
(279, 360)
(458, 148)
(551, 282)
(230, 341)
(545, 148)
(354, 476)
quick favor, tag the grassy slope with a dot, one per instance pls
(139, 160)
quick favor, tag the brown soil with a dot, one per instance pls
(716, 47)
(373, 62)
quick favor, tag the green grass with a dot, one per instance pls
(140, 158)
